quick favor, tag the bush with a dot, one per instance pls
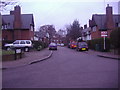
(4, 52)
(98, 44)
(115, 37)
(39, 48)
(39, 45)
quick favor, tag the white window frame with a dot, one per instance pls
(94, 29)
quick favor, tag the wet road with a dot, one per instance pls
(66, 68)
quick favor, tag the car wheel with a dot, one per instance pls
(8, 48)
(26, 49)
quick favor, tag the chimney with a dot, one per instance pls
(11, 12)
(109, 18)
(85, 26)
(17, 17)
(81, 28)
(17, 23)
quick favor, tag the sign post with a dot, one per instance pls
(104, 43)
(104, 34)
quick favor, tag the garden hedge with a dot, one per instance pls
(39, 45)
(98, 44)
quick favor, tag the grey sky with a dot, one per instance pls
(63, 12)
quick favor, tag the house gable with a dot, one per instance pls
(17, 26)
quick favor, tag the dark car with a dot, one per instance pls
(68, 45)
(82, 46)
(52, 46)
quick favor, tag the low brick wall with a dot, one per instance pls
(11, 57)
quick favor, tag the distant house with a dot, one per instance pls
(86, 33)
(104, 22)
(17, 26)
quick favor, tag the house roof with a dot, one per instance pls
(100, 20)
(27, 20)
(8, 19)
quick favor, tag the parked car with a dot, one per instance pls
(58, 44)
(68, 45)
(52, 46)
(62, 44)
(82, 46)
(73, 45)
(24, 44)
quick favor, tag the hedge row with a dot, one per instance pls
(98, 44)
(39, 45)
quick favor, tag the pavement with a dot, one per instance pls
(110, 55)
(37, 56)
(28, 58)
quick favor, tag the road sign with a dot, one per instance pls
(103, 33)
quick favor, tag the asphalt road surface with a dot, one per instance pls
(66, 68)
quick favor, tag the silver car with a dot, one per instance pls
(25, 44)
(52, 46)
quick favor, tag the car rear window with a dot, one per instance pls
(28, 42)
(83, 44)
(74, 43)
(53, 44)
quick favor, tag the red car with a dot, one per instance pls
(73, 45)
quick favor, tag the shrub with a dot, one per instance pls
(98, 44)
(39, 45)
(39, 48)
(115, 37)
(4, 52)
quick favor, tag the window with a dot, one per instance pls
(2, 27)
(5, 27)
(16, 42)
(94, 28)
(31, 28)
(118, 24)
(22, 42)
(28, 42)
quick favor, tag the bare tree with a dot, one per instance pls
(74, 30)
(4, 4)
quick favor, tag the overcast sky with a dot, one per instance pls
(63, 12)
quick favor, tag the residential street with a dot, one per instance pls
(66, 68)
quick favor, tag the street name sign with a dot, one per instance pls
(103, 33)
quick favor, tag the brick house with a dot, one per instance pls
(17, 26)
(104, 22)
